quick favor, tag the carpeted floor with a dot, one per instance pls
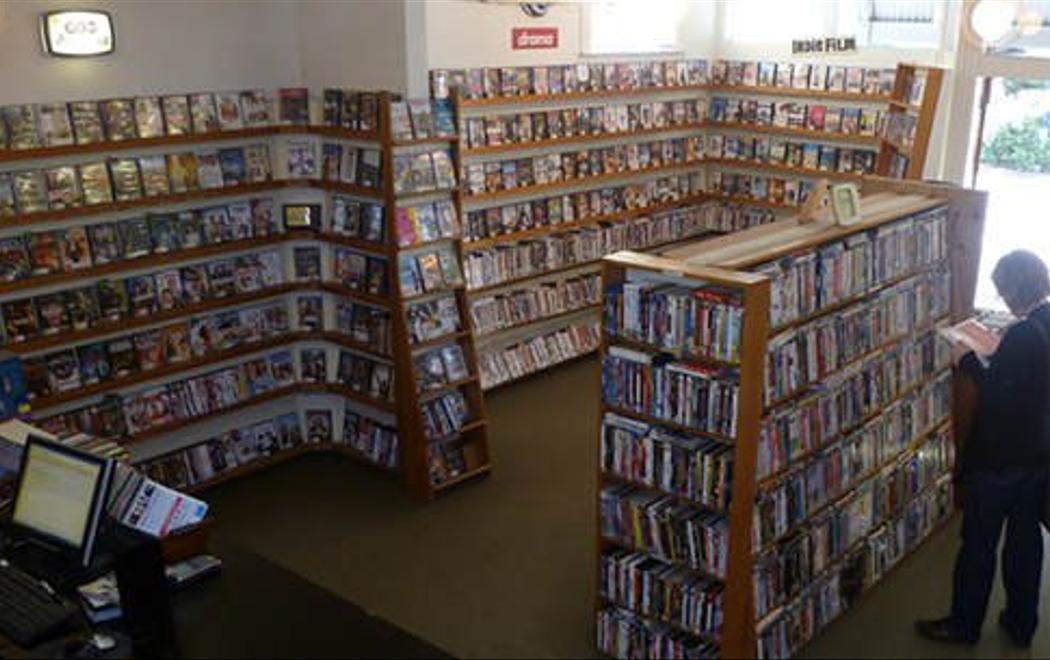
(503, 567)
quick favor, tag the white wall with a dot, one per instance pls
(162, 46)
(352, 43)
(466, 34)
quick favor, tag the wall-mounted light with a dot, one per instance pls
(77, 33)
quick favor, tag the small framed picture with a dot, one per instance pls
(845, 201)
(302, 216)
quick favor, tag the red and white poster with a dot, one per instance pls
(533, 38)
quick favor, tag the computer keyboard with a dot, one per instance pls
(30, 613)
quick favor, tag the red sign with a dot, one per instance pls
(535, 38)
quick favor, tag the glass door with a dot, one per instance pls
(1012, 163)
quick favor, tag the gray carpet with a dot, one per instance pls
(503, 567)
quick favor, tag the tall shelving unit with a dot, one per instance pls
(86, 406)
(909, 124)
(534, 334)
(836, 500)
(655, 500)
(419, 450)
(750, 127)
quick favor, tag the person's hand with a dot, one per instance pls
(959, 351)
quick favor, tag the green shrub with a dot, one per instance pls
(1022, 146)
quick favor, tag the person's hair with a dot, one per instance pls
(1021, 279)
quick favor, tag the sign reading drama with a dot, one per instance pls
(824, 45)
(533, 38)
(77, 33)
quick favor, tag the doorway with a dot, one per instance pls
(1013, 164)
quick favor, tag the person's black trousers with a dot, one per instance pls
(989, 498)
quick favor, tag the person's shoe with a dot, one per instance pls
(1018, 640)
(946, 630)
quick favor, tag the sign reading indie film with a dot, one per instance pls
(824, 45)
(533, 38)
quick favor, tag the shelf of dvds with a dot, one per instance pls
(372, 341)
(509, 112)
(871, 141)
(577, 139)
(676, 331)
(539, 99)
(436, 377)
(909, 122)
(631, 415)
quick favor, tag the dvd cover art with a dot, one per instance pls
(119, 118)
(149, 117)
(56, 127)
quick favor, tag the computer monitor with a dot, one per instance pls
(61, 496)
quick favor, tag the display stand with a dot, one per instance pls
(836, 500)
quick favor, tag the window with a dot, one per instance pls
(761, 22)
(896, 23)
(632, 26)
(914, 24)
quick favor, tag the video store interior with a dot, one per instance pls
(495, 329)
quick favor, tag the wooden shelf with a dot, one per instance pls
(437, 140)
(438, 341)
(807, 93)
(583, 264)
(347, 392)
(340, 339)
(340, 289)
(591, 181)
(851, 300)
(434, 393)
(472, 152)
(592, 307)
(839, 497)
(431, 243)
(480, 471)
(167, 258)
(166, 369)
(668, 424)
(381, 249)
(29, 219)
(788, 170)
(749, 201)
(871, 141)
(833, 563)
(413, 297)
(176, 425)
(681, 357)
(524, 278)
(107, 147)
(621, 481)
(808, 387)
(610, 218)
(531, 99)
(284, 456)
(517, 379)
(34, 345)
(666, 621)
(346, 189)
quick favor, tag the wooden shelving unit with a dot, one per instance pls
(404, 407)
(907, 160)
(509, 145)
(942, 226)
(419, 453)
(736, 637)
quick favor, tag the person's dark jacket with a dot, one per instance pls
(1010, 424)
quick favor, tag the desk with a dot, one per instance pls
(256, 608)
